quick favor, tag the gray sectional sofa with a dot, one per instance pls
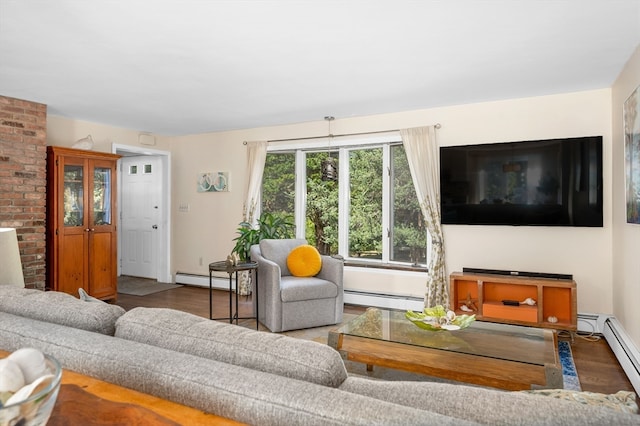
(252, 376)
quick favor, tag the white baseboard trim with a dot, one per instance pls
(387, 301)
(591, 323)
(203, 281)
(624, 349)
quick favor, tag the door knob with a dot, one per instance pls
(155, 226)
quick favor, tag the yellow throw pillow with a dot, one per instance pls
(304, 261)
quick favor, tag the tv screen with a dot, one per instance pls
(555, 182)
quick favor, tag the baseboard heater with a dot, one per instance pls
(624, 349)
(203, 281)
(381, 300)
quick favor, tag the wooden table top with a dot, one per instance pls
(84, 400)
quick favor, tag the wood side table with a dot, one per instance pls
(223, 266)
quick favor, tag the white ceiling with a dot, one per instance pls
(186, 67)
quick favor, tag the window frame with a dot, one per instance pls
(344, 146)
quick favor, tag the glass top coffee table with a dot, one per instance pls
(489, 354)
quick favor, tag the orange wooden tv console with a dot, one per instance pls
(485, 295)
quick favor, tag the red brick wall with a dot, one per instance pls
(23, 177)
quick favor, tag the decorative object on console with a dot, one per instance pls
(632, 154)
(84, 143)
(438, 319)
(11, 272)
(233, 259)
(469, 305)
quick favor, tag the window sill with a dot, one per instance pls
(386, 266)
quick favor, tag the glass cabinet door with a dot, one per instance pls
(101, 196)
(73, 195)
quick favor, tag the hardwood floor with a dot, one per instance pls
(597, 366)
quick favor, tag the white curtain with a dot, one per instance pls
(423, 155)
(256, 157)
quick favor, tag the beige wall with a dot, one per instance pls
(205, 233)
(583, 252)
(626, 237)
(63, 131)
(207, 230)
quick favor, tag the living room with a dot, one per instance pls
(600, 259)
(595, 257)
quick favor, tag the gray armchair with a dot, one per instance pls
(290, 303)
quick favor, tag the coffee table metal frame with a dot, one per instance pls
(223, 266)
(489, 354)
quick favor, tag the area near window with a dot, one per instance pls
(354, 198)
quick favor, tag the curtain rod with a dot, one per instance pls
(437, 126)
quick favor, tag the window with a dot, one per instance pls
(321, 207)
(356, 200)
(365, 203)
(409, 236)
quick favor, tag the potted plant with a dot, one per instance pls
(269, 226)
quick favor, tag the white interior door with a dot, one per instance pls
(140, 215)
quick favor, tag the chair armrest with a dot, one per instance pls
(269, 271)
(332, 270)
(269, 290)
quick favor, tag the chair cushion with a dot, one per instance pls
(304, 261)
(295, 289)
(278, 250)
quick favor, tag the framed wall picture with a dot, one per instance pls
(213, 182)
(632, 155)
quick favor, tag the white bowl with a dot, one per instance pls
(35, 410)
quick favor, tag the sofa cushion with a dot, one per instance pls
(60, 308)
(485, 405)
(278, 250)
(621, 401)
(272, 353)
(304, 261)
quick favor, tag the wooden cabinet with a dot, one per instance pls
(555, 299)
(81, 222)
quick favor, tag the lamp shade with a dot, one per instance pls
(10, 263)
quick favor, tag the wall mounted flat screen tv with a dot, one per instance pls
(555, 182)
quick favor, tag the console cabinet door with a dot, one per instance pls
(103, 254)
(81, 222)
(71, 229)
